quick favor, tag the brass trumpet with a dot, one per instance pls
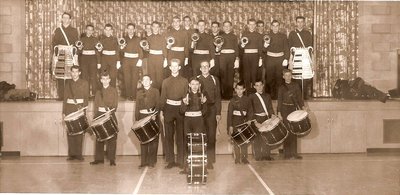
(267, 39)
(99, 46)
(144, 44)
(244, 41)
(121, 41)
(79, 44)
(170, 40)
(218, 42)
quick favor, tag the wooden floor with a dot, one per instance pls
(315, 174)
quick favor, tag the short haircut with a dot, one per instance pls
(300, 17)
(229, 22)
(146, 75)
(215, 22)
(105, 73)
(175, 60)
(131, 24)
(187, 17)
(251, 20)
(205, 61)
(176, 17)
(76, 67)
(194, 79)
(89, 25)
(259, 81)
(241, 83)
(108, 25)
(284, 71)
(260, 22)
(155, 22)
(275, 21)
(68, 14)
(201, 21)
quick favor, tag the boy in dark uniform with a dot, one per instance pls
(239, 111)
(204, 49)
(76, 95)
(110, 59)
(147, 100)
(289, 99)
(262, 110)
(106, 99)
(173, 90)
(157, 60)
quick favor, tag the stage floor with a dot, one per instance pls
(315, 174)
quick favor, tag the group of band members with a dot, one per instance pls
(254, 57)
(171, 68)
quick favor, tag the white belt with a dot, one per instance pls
(108, 52)
(261, 114)
(226, 51)
(131, 55)
(146, 111)
(272, 54)
(71, 101)
(155, 52)
(239, 113)
(201, 52)
(88, 52)
(102, 109)
(250, 50)
(193, 113)
(173, 102)
(177, 48)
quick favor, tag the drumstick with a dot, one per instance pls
(104, 114)
(246, 122)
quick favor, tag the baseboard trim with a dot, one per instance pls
(10, 153)
(383, 150)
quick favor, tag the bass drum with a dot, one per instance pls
(146, 129)
(197, 158)
(299, 123)
(273, 131)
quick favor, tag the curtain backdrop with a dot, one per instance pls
(43, 16)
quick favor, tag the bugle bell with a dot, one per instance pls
(170, 40)
(244, 41)
(267, 39)
(121, 41)
(195, 37)
(99, 46)
(79, 44)
(144, 44)
(218, 42)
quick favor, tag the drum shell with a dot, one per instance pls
(197, 158)
(275, 136)
(147, 132)
(77, 126)
(244, 134)
(105, 130)
(301, 127)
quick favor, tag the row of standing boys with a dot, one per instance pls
(176, 104)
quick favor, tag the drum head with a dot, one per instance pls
(100, 120)
(141, 122)
(74, 115)
(297, 115)
(269, 124)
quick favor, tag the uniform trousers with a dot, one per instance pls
(273, 75)
(131, 76)
(111, 147)
(75, 145)
(290, 143)
(250, 69)
(227, 74)
(260, 147)
(240, 152)
(155, 69)
(109, 63)
(148, 151)
(173, 123)
(210, 123)
(88, 64)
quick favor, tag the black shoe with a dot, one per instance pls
(170, 165)
(210, 166)
(297, 157)
(97, 162)
(286, 157)
(151, 165)
(70, 158)
(237, 162)
(258, 159)
(245, 161)
(112, 163)
(141, 166)
(80, 158)
(179, 165)
(268, 158)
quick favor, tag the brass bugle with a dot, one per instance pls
(267, 39)
(195, 37)
(121, 41)
(99, 46)
(218, 41)
(144, 44)
(244, 40)
(79, 44)
(170, 40)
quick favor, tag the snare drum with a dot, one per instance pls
(299, 123)
(76, 122)
(146, 129)
(245, 132)
(197, 158)
(273, 131)
(105, 127)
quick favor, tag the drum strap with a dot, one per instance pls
(65, 36)
(301, 40)
(263, 104)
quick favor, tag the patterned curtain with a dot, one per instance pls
(336, 50)
(336, 44)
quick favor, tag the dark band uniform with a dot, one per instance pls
(131, 54)
(106, 99)
(78, 90)
(157, 54)
(194, 112)
(173, 90)
(229, 53)
(276, 53)
(287, 94)
(252, 52)
(204, 51)
(294, 41)
(239, 111)
(147, 102)
(211, 88)
(58, 39)
(261, 149)
(188, 69)
(109, 57)
(89, 57)
(179, 50)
